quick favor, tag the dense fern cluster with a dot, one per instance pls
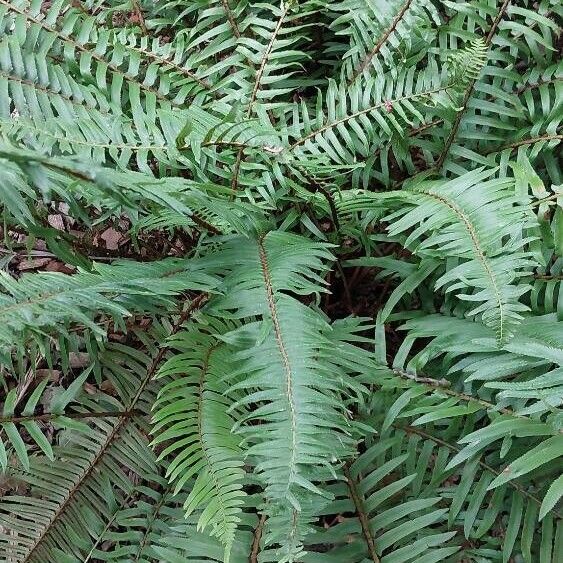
(330, 330)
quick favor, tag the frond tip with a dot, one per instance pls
(482, 226)
(465, 65)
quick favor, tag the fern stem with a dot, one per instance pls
(362, 516)
(257, 80)
(91, 144)
(231, 18)
(151, 521)
(547, 277)
(46, 90)
(496, 22)
(424, 127)
(172, 64)
(264, 62)
(556, 195)
(529, 141)
(284, 357)
(332, 205)
(108, 526)
(255, 549)
(537, 84)
(204, 224)
(444, 386)
(227, 144)
(236, 171)
(317, 186)
(440, 383)
(363, 65)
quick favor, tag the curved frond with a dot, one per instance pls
(364, 199)
(191, 416)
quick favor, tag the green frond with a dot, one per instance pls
(61, 486)
(312, 250)
(481, 224)
(192, 423)
(56, 300)
(71, 501)
(386, 531)
(285, 365)
(41, 179)
(466, 65)
(381, 32)
(265, 269)
(345, 130)
(87, 118)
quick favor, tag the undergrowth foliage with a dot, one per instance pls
(281, 281)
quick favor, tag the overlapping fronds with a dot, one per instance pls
(482, 224)
(280, 282)
(54, 300)
(75, 497)
(475, 221)
(286, 365)
(380, 32)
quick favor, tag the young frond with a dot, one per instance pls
(466, 65)
(192, 423)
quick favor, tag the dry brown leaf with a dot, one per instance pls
(56, 266)
(90, 389)
(56, 221)
(33, 264)
(112, 238)
(107, 387)
(78, 359)
(53, 374)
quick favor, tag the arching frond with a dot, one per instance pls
(285, 365)
(55, 300)
(311, 250)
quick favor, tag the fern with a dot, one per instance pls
(280, 281)
(282, 362)
(198, 423)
